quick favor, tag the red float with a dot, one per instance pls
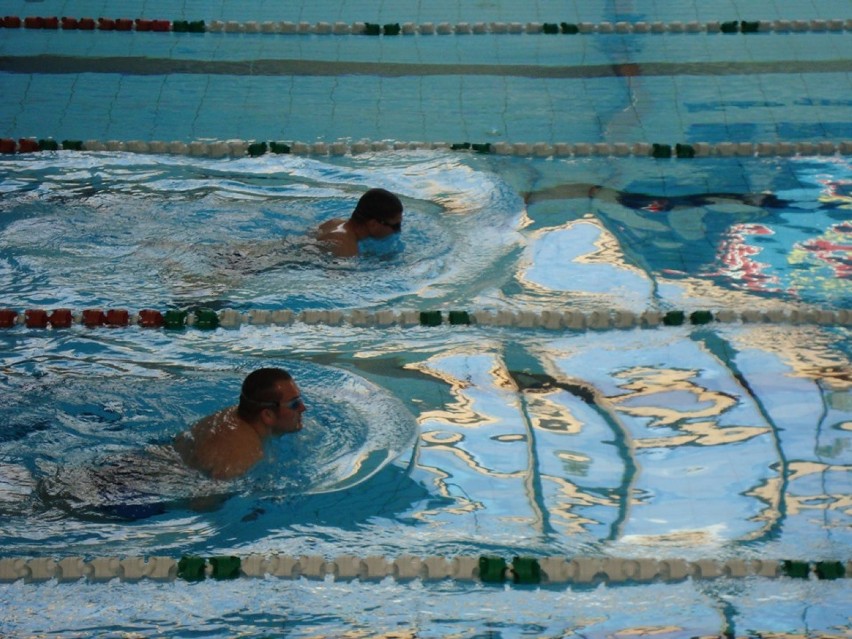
(8, 317)
(123, 24)
(161, 25)
(61, 318)
(50, 23)
(8, 146)
(106, 24)
(35, 318)
(87, 24)
(93, 317)
(26, 145)
(70, 23)
(12, 22)
(117, 317)
(33, 22)
(149, 318)
(144, 25)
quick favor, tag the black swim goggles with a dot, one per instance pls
(291, 404)
(396, 228)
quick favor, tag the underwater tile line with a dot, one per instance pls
(557, 319)
(486, 569)
(143, 66)
(54, 23)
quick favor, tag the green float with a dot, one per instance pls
(206, 319)
(457, 318)
(830, 570)
(174, 319)
(701, 317)
(225, 567)
(673, 318)
(430, 318)
(492, 570)
(661, 151)
(796, 569)
(256, 149)
(684, 151)
(191, 568)
(526, 570)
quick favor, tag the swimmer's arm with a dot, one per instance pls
(341, 249)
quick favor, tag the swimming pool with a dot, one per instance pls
(635, 365)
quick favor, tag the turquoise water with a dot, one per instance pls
(719, 441)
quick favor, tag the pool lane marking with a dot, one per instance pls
(570, 320)
(485, 568)
(242, 148)
(128, 65)
(392, 29)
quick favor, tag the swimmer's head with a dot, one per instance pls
(272, 402)
(260, 391)
(380, 211)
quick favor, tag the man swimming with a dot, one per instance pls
(377, 215)
(228, 443)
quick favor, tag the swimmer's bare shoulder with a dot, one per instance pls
(221, 446)
(335, 237)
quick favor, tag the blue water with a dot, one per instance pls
(721, 441)
(718, 441)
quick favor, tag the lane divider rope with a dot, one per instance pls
(556, 319)
(242, 148)
(486, 569)
(54, 23)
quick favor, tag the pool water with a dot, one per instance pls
(566, 420)
(722, 441)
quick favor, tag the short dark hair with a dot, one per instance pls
(377, 204)
(258, 391)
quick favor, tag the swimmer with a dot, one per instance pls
(377, 215)
(228, 443)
